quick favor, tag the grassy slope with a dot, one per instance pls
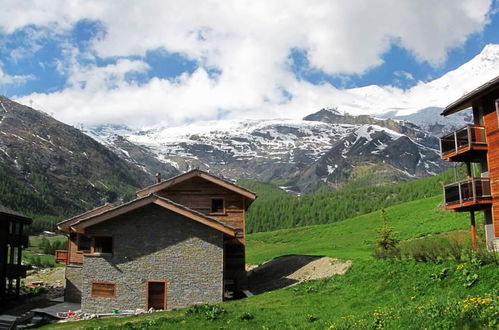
(352, 238)
(402, 294)
(274, 209)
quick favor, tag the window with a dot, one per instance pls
(103, 244)
(103, 289)
(83, 243)
(217, 205)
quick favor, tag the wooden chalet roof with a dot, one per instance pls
(8, 214)
(197, 173)
(466, 100)
(66, 224)
(83, 222)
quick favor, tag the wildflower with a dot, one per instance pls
(460, 267)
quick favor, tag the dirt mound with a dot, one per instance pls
(288, 270)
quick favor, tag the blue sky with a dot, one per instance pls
(174, 62)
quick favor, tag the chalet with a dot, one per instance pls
(180, 242)
(477, 145)
(12, 242)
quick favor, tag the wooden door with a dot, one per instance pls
(156, 295)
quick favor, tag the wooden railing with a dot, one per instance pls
(471, 190)
(61, 256)
(467, 136)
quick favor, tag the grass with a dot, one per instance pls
(395, 294)
(34, 250)
(372, 294)
(353, 238)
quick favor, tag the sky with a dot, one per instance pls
(165, 63)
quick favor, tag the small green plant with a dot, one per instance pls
(468, 278)
(386, 246)
(246, 316)
(210, 312)
(441, 275)
(312, 318)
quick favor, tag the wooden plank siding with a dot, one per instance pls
(197, 194)
(75, 257)
(491, 124)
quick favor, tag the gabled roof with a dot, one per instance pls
(66, 224)
(466, 100)
(85, 222)
(13, 215)
(197, 173)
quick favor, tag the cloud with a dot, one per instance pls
(13, 80)
(247, 42)
(404, 74)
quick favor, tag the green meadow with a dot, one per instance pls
(373, 294)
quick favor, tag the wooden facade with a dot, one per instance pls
(12, 241)
(482, 148)
(197, 195)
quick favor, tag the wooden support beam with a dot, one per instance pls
(19, 261)
(473, 230)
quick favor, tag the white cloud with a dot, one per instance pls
(9, 80)
(404, 74)
(248, 41)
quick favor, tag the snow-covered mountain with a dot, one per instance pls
(330, 146)
(378, 100)
(323, 148)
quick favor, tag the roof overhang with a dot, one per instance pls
(197, 173)
(80, 225)
(10, 215)
(66, 224)
(467, 100)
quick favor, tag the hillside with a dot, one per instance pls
(52, 169)
(372, 294)
(276, 209)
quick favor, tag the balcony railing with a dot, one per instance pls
(469, 193)
(61, 256)
(468, 138)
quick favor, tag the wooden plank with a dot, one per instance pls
(103, 289)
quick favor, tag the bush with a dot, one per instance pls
(386, 246)
(211, 312)
(450, 247)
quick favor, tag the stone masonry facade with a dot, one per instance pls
(155, 244)
(74, 281)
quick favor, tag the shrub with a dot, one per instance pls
(246, 316)
(450, 247)
(386, 246)
(211, 312)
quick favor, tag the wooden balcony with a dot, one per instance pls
(468, 195)
(465, 144)
(15, 271)
(17, 240)
(61, 256)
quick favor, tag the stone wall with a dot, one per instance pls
(153, 243)
(74, 281)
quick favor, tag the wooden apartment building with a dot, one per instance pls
(12, 241)
(477, 144)
(180, 242)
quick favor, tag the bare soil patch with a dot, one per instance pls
(292, 269)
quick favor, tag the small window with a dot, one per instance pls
(103, 244)
(217, 205)
(103, 289)
(83, 243)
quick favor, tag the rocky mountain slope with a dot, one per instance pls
(326, 147)
(47, 167)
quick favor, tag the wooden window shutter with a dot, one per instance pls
(103, 289)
